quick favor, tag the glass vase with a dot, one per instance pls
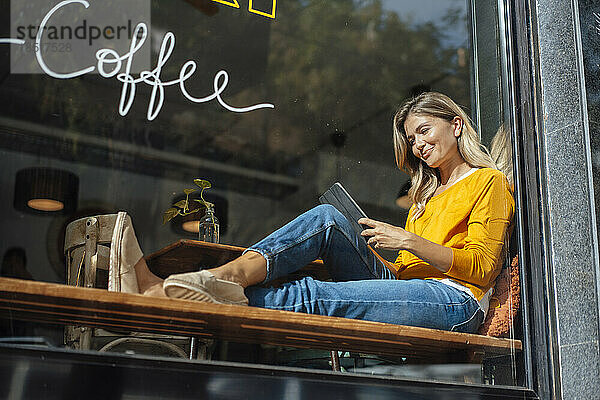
(208, 227)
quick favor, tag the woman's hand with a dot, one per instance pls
(390, 237)
(385, 236)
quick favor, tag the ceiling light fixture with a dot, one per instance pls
(46, 190)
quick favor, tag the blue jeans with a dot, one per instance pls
(363, 287)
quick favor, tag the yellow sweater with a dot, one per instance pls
(472, 217)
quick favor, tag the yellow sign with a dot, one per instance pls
(235, 4)
(232, 3)
(264, 14)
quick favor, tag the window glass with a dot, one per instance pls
(271, 102)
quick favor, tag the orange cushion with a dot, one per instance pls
(504, 303)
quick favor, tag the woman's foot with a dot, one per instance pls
(155, 290)
(248, 269)
(148, 283)
(204, 286)
(223, 285)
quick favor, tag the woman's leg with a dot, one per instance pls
(415, 302)
(148, 283)
(322, 232)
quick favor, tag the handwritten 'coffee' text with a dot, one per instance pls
(109, 63)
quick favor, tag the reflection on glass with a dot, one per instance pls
(335, 72)
(45, 205)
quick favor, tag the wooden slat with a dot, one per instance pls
(64, 304)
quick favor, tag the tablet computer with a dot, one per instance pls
(339, 197)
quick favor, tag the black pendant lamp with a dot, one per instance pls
(46, 191)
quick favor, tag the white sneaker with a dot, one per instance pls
(204, 286)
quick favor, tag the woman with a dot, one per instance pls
(449, 253)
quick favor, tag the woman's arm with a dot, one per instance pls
(389, 237)
(477, 260)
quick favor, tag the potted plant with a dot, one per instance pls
(208, 228)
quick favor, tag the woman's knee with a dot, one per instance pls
(328, 213)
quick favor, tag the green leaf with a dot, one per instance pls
(188, 191)
(201, 183)
(180, 204)
(170, 214)
(204, 203)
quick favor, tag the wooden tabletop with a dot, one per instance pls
(192, 255)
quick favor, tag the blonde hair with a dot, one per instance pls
(501, 152)
(424, 179)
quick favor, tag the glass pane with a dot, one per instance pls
(493, 85)
(271, 102)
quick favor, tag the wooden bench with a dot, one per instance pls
(62, 304)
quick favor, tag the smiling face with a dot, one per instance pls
(433, 139)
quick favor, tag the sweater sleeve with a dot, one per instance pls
(477, 262)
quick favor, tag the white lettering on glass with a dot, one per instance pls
(110, 59)
(38, 41)
(13, 41)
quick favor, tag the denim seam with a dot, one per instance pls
(467, 321)
(462, 303)
(467, 299)
(366, 302)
